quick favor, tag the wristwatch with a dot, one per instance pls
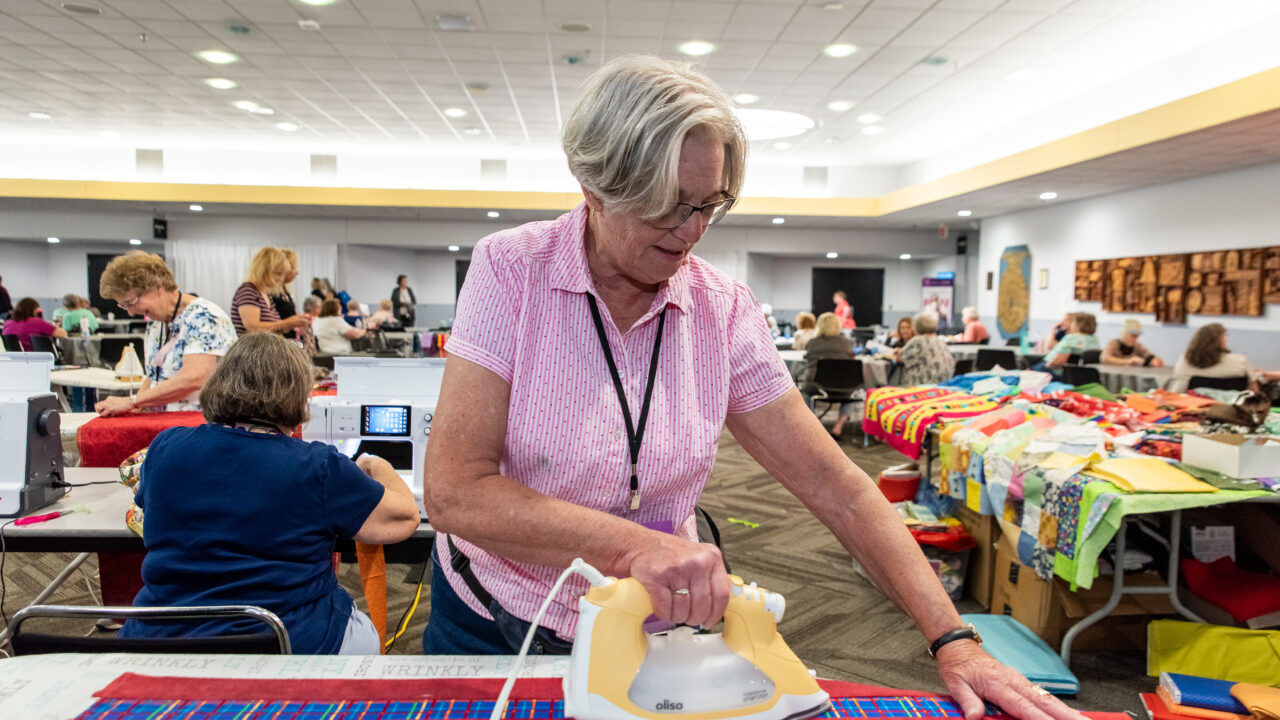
(968, 632)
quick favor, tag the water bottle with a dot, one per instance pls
(84, 327)
(1023, 344)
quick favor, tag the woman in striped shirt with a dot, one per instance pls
(251, 307)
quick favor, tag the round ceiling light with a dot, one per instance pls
(455, 112)
(220, 83)
(217, 57)
(904, 256)
(746, 98)
(872, 130)
(39, 115)
(840, 50)
(839, 105)
(287, 126)
(317, 3)
(1048, 196)
(696, 48)
(833, 255)
(779, 221)
(964, 213)
(773, 124)
(869, 118)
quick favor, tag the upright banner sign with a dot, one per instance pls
(1014, 298)
(938, 295)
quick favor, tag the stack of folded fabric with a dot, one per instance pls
(1251, 598)
(1188, 697)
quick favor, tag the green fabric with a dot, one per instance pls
(1218, 480)
(1095, 390)
(1065, 567)
(1213, 651)
(1088, 549)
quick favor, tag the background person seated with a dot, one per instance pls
(333, 334)
(382, 316)
(1126, 350)
(828, 343)
(975, 333)
(1081, 338)
(806, 330)
(72, 311)
(353, 316)
(238, 512)
(925, 358)
(1207, 356)
(25, 321)
(902, 335)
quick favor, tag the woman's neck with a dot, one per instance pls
(615, 287)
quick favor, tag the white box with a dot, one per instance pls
(1213, 542)
(1240, 456)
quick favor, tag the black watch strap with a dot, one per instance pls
(968, 632)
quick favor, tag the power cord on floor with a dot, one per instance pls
(86, 484)
(406, 617)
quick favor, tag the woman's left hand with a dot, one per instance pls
(972, 676)
(114, 405)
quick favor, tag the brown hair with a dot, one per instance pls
(25, 309)
(135, 272)
(1205, 348)
(264, 378)
(828, 324)
(1086, 323)
(71, 301)
(331, 308)
(264, 262)
(806, 321)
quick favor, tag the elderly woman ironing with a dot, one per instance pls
(593, 365)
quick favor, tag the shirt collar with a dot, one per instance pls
(569, 269)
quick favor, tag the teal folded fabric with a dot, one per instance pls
(1010, 642)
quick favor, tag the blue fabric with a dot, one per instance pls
(235, 517)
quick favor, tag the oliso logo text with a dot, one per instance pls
(668, 706)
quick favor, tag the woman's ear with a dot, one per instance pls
(593, 201)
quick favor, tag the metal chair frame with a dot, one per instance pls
(33, 644)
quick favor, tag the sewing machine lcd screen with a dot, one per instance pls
(390, 420)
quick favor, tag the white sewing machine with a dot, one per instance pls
(383, 405)
(30, 441)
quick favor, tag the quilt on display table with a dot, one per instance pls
(143, 697)
(901, 416)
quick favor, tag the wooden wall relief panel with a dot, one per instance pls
(1221, 282)
(1170, 290)
(1270, 275)
(1089, 279)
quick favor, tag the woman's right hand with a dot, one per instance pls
(671, 564)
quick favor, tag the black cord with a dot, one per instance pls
(96, 482)
(3, 586)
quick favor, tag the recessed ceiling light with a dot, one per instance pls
(869, 118)
(840, 105)
(472, 131)
(1020, 75)
(840, 50)
(779, 221)
(455, 112)
(746, 98)
(217, 57)
(773, 124)
(37, 115)
(696, 47)
(872, 130)
(833, 6)
(454, 248)
(54, 240)
(783, 145)
(493, 214)
(135, 241)
(220, 83)
(455, 23)
(965, 213)
(904, 256)
(245, 104)
(287, 126)
(262, 111)
(833, 255)
(574, 27)
(308, 25)
(197, 208)
(318, 3)
(1048, 195)
(81, 9)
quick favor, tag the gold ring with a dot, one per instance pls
(682, 591)
(1041, 690)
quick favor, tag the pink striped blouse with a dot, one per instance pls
(523, 314)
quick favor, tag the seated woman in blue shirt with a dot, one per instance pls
(1082, 336)
(240, 512)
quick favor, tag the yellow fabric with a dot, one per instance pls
(1213, 651)
(1147, 475)
(1263, 702)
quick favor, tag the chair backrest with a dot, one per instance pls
(1074, 358)
(1013, 342)
(1091, 357)
(112, 349)
(1080, 375)
(838, 374)
(12, 344)
(1227, 383)
(861, 336)
(323, 360)
(44, 343)
(964, 366)
(274, 641)
(990, 357)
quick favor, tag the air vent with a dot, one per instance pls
(455, 23)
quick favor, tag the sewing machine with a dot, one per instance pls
(384, 407)
(30, 441)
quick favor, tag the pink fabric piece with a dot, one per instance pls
(524, 315)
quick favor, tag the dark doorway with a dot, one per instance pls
(96, 264)
(460, 275)
(863, 286)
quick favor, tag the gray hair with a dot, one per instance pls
(969, 312)
(311, 303)
(264, 378)
(924, 323)
(623, 136)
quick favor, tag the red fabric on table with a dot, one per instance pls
(107, 441)
(1246, 595)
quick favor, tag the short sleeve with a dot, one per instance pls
(757, 375)
(487, 308)
(207, 333)
(46, 327)
(350, 495)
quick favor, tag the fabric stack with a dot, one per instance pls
(1187, 697)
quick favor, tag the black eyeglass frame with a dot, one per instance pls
(720, 208)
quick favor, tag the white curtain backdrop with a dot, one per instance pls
(213, 270)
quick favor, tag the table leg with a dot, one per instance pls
(1175, 544)
(928, 458)
(1117, 590)
(51, 587)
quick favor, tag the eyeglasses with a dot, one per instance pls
(127, 305)
(680, 212)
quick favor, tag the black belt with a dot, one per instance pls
(461, 564)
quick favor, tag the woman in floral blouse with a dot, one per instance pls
(185, 339)
(925, 358)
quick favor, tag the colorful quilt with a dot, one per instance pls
(901, 416)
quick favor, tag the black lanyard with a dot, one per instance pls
(635, 434)
(165, 327)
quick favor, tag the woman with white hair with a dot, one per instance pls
(975, 333)
(925, 358)
(598, 444)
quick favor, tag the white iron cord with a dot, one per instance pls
(595, 577)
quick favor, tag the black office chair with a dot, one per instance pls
(1091, 357)
(323, 360)
(861, 336)
(1227, 383)
(1013, 342)
(1080, 375)
(274, 641)
(989, 358)
(1075, 359)
(112, 349)
(984, 341)
(11, 343)
(836, 379)
(964, 366)
(44, 343)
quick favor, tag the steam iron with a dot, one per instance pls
(617, 671)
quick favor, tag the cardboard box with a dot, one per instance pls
(982, 559)
(1238, 456)
(1049, 607)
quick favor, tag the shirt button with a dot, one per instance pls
(617, 434)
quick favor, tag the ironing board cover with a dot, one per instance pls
(135, 697)
(901, 416)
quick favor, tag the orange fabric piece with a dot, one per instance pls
(1141, 404)
(373, 578)
(1263, 702)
